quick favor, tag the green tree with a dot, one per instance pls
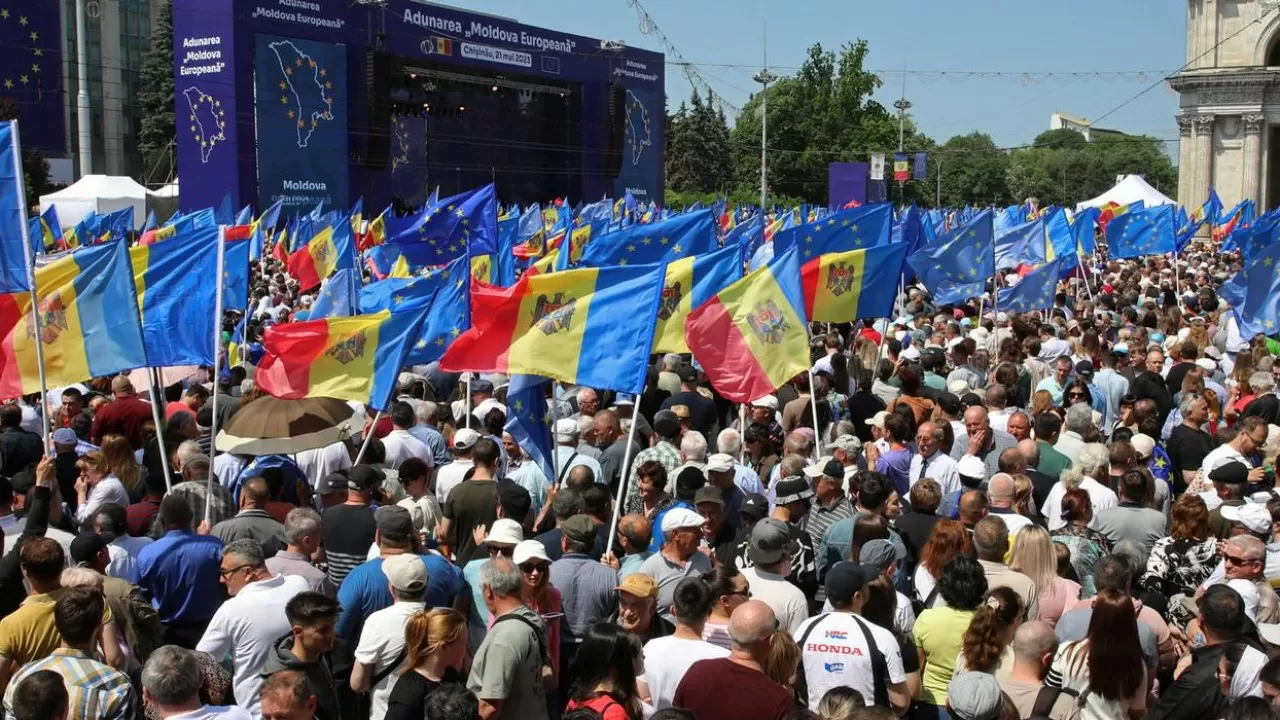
(156, 133)
(822, 114)
(698, 149)
(1063, 168)
(973, 171)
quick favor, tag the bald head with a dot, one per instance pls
(973, 507)
(976, 417)
(636, 529)
(121, 385)
(1034, 641)
(1000, 489)
(1030, 452)
(605, 420)
(751, 626)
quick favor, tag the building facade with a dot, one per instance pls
(1229, 114)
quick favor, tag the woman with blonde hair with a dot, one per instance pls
(96, 486)
(987, 642)
(783, 660)
(435, 644)
(1022, 497)
(1041, 401)
(118, 455)
(1034, 556)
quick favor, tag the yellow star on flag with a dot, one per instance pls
(284, 85)
(420, 344)
(291, 114)
(664, 241)
(24, 79)
(284, 99)
(677, 249)
(440, 341)
(298, 62)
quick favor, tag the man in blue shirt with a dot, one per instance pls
(180, 574)
(365, 589)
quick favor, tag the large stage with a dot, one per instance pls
(315, 101)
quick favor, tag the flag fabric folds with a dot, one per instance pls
(681, 236)
(175, 299)
(527, 420)
(445, 290)
(13, 194)
(864, 227)
(467, 222)
(590, 326)
(1254, 294)
(690, 282)
(349, 358)
(839, 287)
(330, 249)
(1149, 231)
(339, 295)
(752, 337)
(1036, 289)
(89, 322)
(963, 255)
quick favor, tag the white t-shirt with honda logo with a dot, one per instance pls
(836, 652)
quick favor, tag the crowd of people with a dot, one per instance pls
(957, 514)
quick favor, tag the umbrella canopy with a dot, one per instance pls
(271, 426)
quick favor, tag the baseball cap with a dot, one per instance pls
(767, 401)
(720, 462)
(826, 466)
(844, 579)
(688, 482)
(848, 443)
(1206, 364)
(911, 353)
(769, 540)
(514, 500)
(638, 584)
(566, 430)
(755, 505)
(65, 436)
(363, 477)
(481, 386)
(1084, 369)
(505, 532)
(878, 419)
(974, 696)
(678, 518)
(971, 466)
(465, 439)
(527, 550)
(793, 489)
(687, 373)
(877, 553)
(949, 402)
(394, 523)
(333, 482)
(407, 572)
(86, 546)
(708, 494)
(1231, 473)
(579, 529)
(1143, 444)
(681, 411)
(1255, 518)
(1120, 348)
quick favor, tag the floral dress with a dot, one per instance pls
(1087, 546)
(1176, 567)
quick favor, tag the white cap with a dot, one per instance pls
(566, 430)
(527, 550)
(720, 462)
(911, 353)
(677, 518)
(506, 532)
(1207, 364)
(957, 387)
(878, 419)
(1143, 444)
(971, 466)
(1255, 518)
(465, 438)
(767, 401)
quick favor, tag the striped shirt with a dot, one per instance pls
(821, 517)
(95, 691)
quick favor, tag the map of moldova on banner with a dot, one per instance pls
(302, 122)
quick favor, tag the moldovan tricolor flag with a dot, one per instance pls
(349, 358)
(844, 286)
(89, 322)
(590, 327)
(752, 337)
(690, 282)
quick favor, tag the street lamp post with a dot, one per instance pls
(764, 77)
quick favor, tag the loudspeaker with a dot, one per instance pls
(379, 69)
(617, 130)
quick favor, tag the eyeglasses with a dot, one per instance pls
(529, 568)
(745, 592)
(228, 573)
(1233, 560)
(503, 551)
(1076, 395)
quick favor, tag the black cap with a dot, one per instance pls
(1084, 369)
(688, 482)
(364, 477)
(833, 469)
(949, 403)
(394, 523)
(514, 499)
(687, 373)
(755, 505)
(846, 578)
(1232, 473)
(971, 399)
(86, 546)
(21, 482)
(708, 494)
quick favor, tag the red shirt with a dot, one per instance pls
(608, 708)
(754, 695)
(122, 416)
(176, 407)
(139, 516)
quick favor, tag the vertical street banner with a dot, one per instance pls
(642, 145)
(877, 166)
(920, 168)
(901, 168)
(31, 72)
(301, 113)
(204, 97)
(409, 159)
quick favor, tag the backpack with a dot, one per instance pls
(548, 674)
(1048, 697)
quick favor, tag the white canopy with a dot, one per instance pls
(98, 193)
(166, 191)
(1131, 188)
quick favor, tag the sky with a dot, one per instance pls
(1131, 44)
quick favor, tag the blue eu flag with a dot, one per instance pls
(1254, 294)
(1149, 231)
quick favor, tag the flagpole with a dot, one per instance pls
(1177, 274)
(367, 437)
(625, 475)
(31, 281)
(217, 347)
(813, 404)
(156, 399)
(467, 399)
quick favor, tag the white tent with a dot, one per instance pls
(166, 191)
(1130, 189)
(98, 193)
